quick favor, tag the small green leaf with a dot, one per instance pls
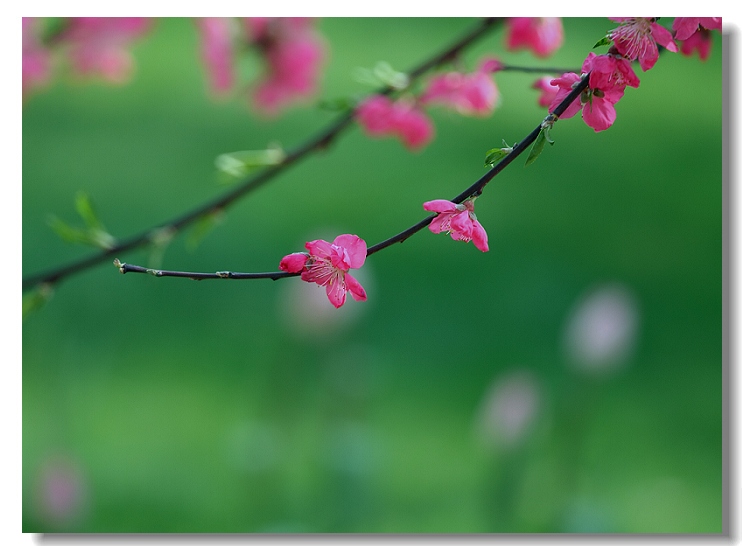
(34, 300)
(494, 155)
(69, 233)
(341, 104)
(537, 148)
(240, 164)
(547, 133)
(605, 40)
(381, 74)
(85, 209)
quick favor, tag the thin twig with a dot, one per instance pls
(316, 143)
(474, 189)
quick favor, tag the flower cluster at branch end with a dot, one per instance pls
(327, 264)
(473, 94)
(694, 34)
(458, 220)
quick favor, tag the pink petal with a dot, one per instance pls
(663, 37)
(461, 225)
(355, 247)
(319, 248)
(479, 237)
(440, 222)
(336, 290)
(293, 263)
(599, 113)
(355, 288)
(440, 205)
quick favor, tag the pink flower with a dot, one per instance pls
(98, 45)
(543, 35)
(36, 58)
(637, 38)
(685, 27)
(380, 116)
(472, 94)
(548, 91)
(609, 73)
(217, 51)
(293, 55)
(327, 264)
(458, 220)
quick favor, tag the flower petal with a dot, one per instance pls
(319, 248)
(440, 205)
(355, 288)
(355, 247)
(336, 290)
(479, 236)
(293, 263)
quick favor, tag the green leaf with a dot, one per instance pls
(341, 104)
(84, 207)
(239, 164)
(605, 40)
(34, 300)
(537, 148)
(494, 155)
(69, 233)
(381, 74)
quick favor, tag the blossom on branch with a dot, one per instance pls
(327, 264)
(380, 116)
(458, 220)
(542, 35)
(637, 38)
(472, 94)
(217, 51)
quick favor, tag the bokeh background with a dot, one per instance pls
(569, 380)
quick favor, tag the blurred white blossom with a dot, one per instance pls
(600, 332)
(508, 409)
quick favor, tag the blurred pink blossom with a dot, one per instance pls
(380, 116)
(293, 54)
(62, 491)
(459, 220)
(98, 45)
(36, 58)
(698, 41)
(472, 94)
(217, 51)
(542, 35)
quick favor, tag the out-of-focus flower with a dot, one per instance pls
(380, 116)
(601, 331)
(36, 58)
(698, 41)
(509, 409)
(293, 54)
(327, 264)
(548, 91)
(637, 38)
(472, 94)
(98, 45)
(62, 492)
(542, 35)
(217, 51)
(459, 220)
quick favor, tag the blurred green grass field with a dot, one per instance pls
(176, 406)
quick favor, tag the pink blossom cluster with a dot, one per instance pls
(635, 39)
(94, 46)
(290, 50)
(472, 94)
(458, 220)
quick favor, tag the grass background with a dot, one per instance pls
(251, 407)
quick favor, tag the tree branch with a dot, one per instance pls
(318, 142)
(474, 189)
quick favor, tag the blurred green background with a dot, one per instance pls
(569, 380)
